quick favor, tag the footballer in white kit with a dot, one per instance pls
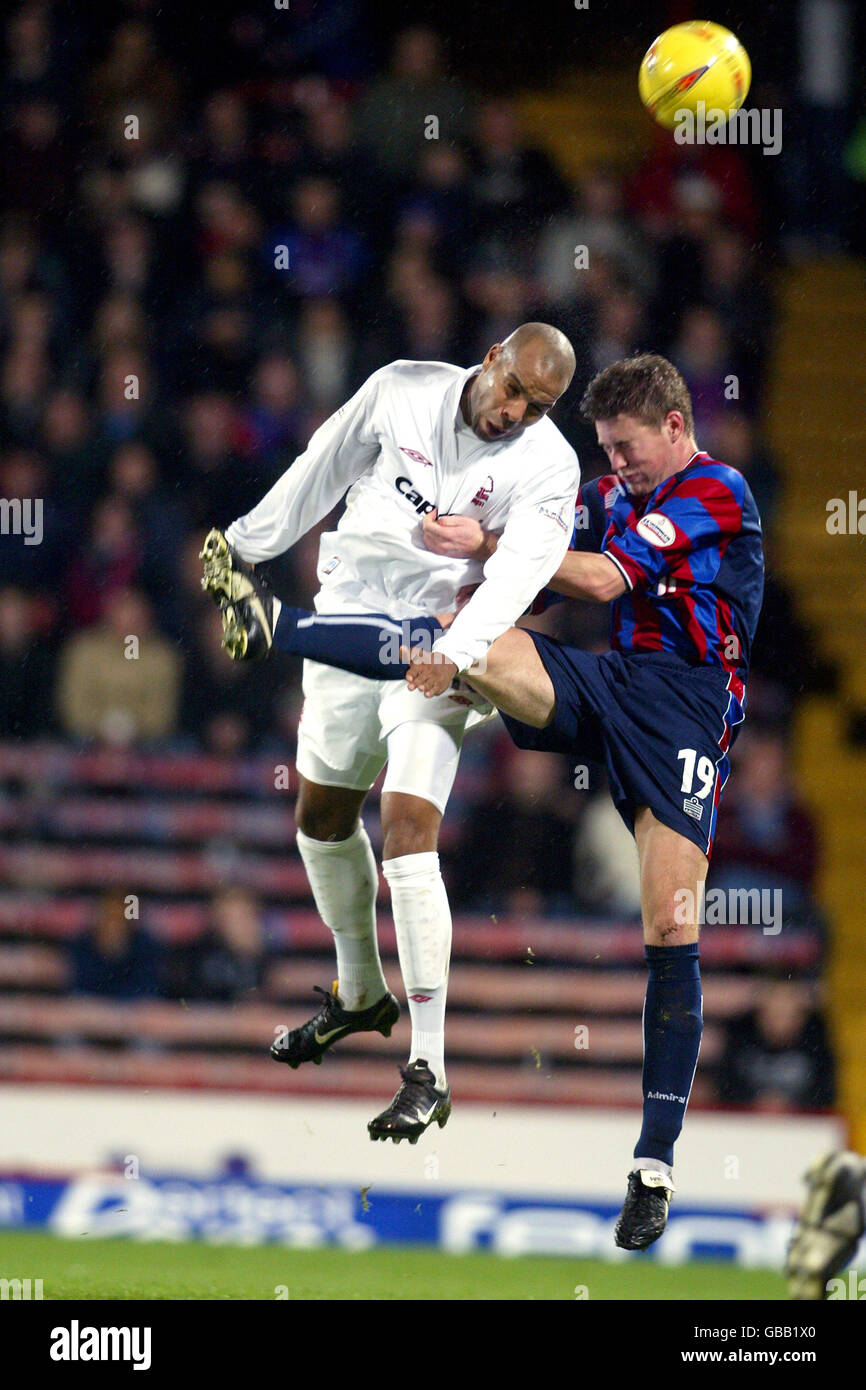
(419, 447)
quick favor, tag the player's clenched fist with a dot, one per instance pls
(429, 672)
(458, 537)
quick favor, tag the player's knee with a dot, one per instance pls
(324, 822)
(410, 829)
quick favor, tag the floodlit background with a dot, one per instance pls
(433, 172)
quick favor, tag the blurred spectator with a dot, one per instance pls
(777, 1057)
(732, 437)
(26, 669)
(227, 700)
(529, 809)
(222, 147)
(702, 352)
(606, 869)
(677, 187)
(134, 73)
(392, 116)
(36, 163)
(108, 562)
(226, 964)
(26, 375)
(766, 838)
(331, 151)
(731, 282)
(213, 482)
(31, 69)
(786, 648)
(33, 544)
(135, 480)
(325, 353)
(66, 438)
(617, 330)
(119, 680)
(270, 428)
(596, 222)
(317, 253)
(516, 188)
(440, 200)
(117, 958)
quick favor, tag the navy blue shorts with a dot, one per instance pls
(660, 727)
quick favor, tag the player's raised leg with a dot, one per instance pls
(341, 868)
(673, 870)
(514, 679)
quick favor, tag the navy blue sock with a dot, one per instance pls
(367, 644)
(672, 1027)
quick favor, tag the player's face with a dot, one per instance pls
(640, 455)
(510, 393)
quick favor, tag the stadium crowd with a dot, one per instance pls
(192, 278)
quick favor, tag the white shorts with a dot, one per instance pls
(351, 726)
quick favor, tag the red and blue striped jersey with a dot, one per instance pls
(692, 558)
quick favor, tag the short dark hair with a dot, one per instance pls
(646, 386)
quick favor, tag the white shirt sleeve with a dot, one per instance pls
(530, 551)
(341, 449)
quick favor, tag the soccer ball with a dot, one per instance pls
(690, 63)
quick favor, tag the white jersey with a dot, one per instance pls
(402, 448)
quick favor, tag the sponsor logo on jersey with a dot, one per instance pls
(693, 807)
(331, 565)
(421, 505)
(415, 456)
(658, 529)
(483, 493)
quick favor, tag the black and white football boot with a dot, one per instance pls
(830, 1225)
(311, 1041)
(245, 599)
(645, 1209)
(415, 1106)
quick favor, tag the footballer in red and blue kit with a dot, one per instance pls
(662, 708)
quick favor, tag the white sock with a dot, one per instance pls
(652, 1165)
(344, 880)
(422, 922)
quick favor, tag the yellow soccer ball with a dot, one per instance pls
(690, 63)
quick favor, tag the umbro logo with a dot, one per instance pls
(415, 456)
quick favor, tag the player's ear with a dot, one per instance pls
(492, 354)
(674, 424)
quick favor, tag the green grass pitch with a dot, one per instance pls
(123, 1269)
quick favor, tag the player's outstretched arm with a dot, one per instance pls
(587, 575)
(582, 574)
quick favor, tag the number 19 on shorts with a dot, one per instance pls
(702, 770)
